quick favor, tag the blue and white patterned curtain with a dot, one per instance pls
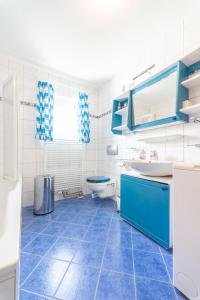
(44, 111)
(84, 119)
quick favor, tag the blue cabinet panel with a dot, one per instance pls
(117, 119)
(145, 205)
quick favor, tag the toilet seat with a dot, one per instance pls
(98, 179)
(101, 186)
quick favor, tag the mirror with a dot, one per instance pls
(155, 102)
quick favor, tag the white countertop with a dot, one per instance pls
(164, 179)
(188, 166)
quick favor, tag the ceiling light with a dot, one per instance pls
(108, 6)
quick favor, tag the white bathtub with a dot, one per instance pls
(10, 221)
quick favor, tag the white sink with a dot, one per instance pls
(150, 168)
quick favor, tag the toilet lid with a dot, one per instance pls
(98, 179)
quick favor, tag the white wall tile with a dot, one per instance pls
(28, 184)
(27, 198)
(29, 127)
(4, 60)
(29, 156)
(29, 113)
(29, 169)
(29, 142)
(191, 32)
(3, 73)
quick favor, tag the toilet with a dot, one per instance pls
(101, 186)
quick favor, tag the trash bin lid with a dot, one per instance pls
(98, 179)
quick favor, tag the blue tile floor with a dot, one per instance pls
(85, 251)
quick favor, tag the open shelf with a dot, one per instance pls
(191, 110)
(120, 116)
(191, 57)
(145, 118)
(122, 111)
(192, 81)
(123, 95)
(163, 138)
(122, 127)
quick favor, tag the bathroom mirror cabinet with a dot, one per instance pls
(157, 101)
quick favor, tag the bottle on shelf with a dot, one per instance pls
(119, 106)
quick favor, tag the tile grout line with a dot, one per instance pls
(56, 290)
(114, 271)
(60, 235)
(133, 256)
(156, 280)
(88, 226)
(45, 256)
(168, 273)
(42, 257)
(82, 240)
(99, 275)
(36, 294)
(21, 284)
(37, 235)
(106, 243)
(30, 240)
(54, 295)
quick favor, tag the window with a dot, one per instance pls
(65, 118)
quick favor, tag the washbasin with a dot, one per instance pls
(150, 168)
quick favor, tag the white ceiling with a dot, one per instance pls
(88, 39)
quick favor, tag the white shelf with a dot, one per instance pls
(163, 138)
(121, 127)
(192, 81)
(122, 111)
(123, 96)
(191, 110)
(191, 58)
(145, 118)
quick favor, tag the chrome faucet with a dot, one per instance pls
(142, 154)
(153, 155)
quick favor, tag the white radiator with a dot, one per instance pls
(63, 159)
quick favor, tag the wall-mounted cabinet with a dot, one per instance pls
(191, 110)
(121, 121)
(155, 102)
(192, 82)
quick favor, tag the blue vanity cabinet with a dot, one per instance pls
(145, 205)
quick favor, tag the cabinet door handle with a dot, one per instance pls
(164, 188)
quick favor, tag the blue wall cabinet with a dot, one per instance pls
(120, 119)
(145, 205)
(172, 115)
(179, 70)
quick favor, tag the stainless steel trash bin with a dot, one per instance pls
(43, 194)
